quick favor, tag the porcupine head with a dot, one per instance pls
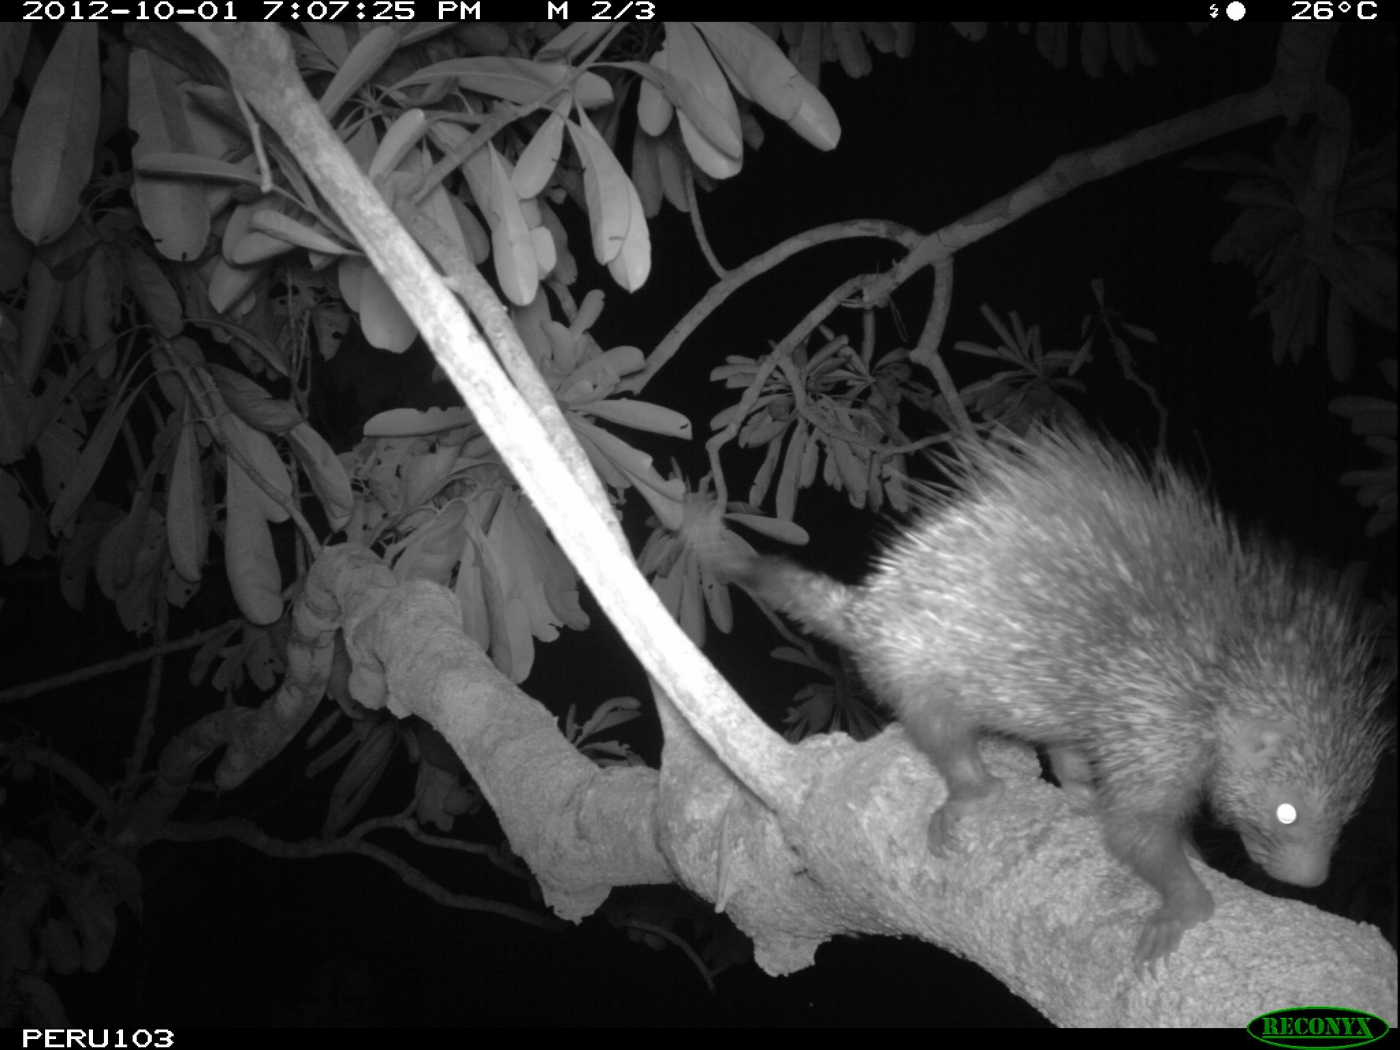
(1300, 739)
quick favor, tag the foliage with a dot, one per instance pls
(172, 287)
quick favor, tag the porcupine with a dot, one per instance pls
(1065, 595)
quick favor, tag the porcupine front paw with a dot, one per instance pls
(1188, 905)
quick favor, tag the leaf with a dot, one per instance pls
(715, 589)
(401, 137)
(435, 787)
(362, 774)
(605, 186)
(134, 599)
(542, 244)
(654, 109)
(367, 59)
(675, 173)
(476, 620)
(1093, 41)
(288, 229)
(538, 160)
(195, 166)
(704, 151)
(1365, 275)
(187, 527)
(174, 210)
(472, 236)
(514, 79)
(255, 247)
(99, 305)
(512, 650)
(60, 945)
(971, 31)
(706, 103)
(327, 474)
(382, 319)
(540, 576)
(642, 415)
(816, 121)
(851, 50)
(90, 463)
(41, 309)
(57, 134)
(600, 373)
(94, 913)
(14, 42)
(765, 73)
(513, 247)
(249, 557)
(801, 446)
(631, 266)
(76, 559)
(332, 41)
(124, 542)
(646, 173)
(766, 76)
(552, 569)
(228, 284)
(153, 291)
(258, 451)
(414, 422)
(121, 874)
(588, 311)
(610, 714)
(666, 497)
(774, 528)
(14, 520)
(576, 38)
(254, 405)
(433, 549)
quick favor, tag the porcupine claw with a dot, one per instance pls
(1189, 906)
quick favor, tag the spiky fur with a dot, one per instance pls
(1065, 595)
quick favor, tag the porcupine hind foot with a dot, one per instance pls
(952, 744)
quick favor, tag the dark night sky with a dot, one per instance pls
(233, 938)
